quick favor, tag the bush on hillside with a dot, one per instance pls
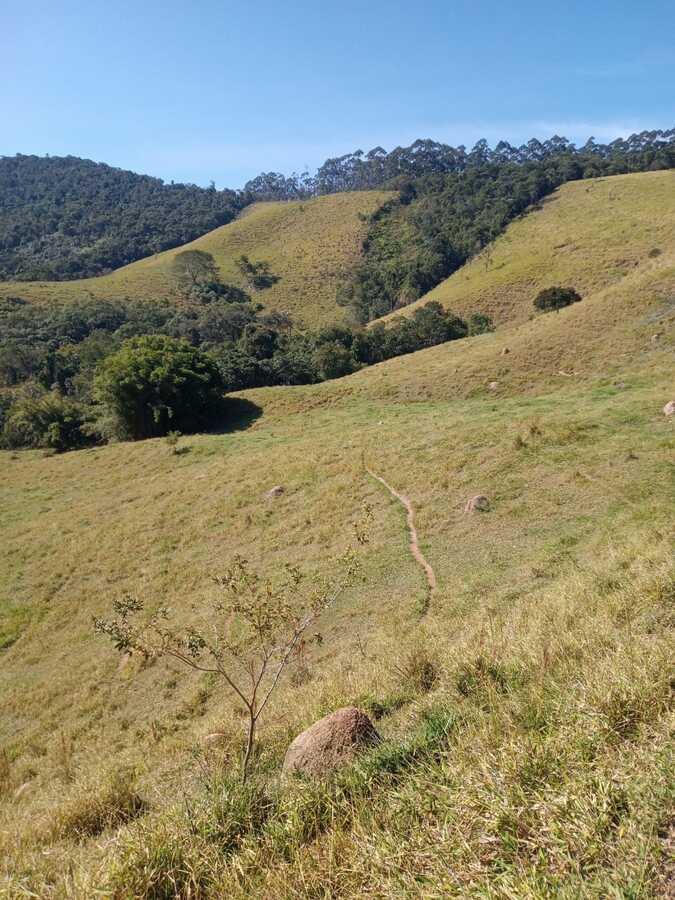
(555, 298)
(44, 419)
(156, 384)
(258, 274)
(480, 324)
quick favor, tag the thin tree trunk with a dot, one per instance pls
(249, 746)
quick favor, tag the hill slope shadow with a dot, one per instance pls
(238, 415)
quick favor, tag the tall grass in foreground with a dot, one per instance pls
(537, 762)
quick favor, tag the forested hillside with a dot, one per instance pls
(440, 220)
(64, 217)
(69, 218)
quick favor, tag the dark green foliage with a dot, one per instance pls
(333, 360)
(555, 298)
(258, 274)
(480, 324)
(196, 276)
(64, 217)
(44, 419)
(156, 384)
(141, 383)
(360, 171)
(259, 341)
(7, 399)
(192, 268)
(238, 370)
(214, 291)
(293, 361)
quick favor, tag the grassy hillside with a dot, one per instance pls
(535, 763)
(589, 234)
(625, 320)
(310, 245)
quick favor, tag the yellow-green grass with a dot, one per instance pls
(580, 492)
(550, 630)
(610, 335)
(311, 245)
(589, 235)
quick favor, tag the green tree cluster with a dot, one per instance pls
(360, 171)
(156, 384)
(134, 370)
(65, 217)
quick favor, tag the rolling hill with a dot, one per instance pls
(533, 758)
(625, 318)
(591, 234)
(309, 244)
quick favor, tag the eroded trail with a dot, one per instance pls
(410, 517)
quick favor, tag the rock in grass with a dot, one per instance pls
(330, 742)
(669, 408)
(214, 738)
(276, 491)
(479, 503)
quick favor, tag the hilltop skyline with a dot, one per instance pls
(220, 95)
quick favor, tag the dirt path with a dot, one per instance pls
(410, 515)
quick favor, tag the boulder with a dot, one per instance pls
(505, 350)
(493, 385)
(479, 503)
(276, 491)
(214, 738)
(330, 742)
(669, 408)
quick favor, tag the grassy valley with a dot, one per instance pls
(525, 703)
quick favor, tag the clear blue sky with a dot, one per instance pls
(222, 90)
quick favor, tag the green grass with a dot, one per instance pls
(526, 711)
(310, 245)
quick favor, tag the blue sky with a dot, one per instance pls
(222, 90)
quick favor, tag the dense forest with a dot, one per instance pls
(64, 217)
